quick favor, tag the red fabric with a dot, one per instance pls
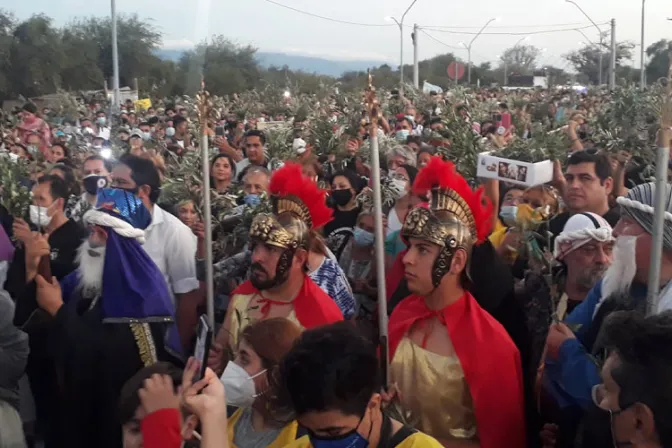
(490, 360)
(313, 307)
(395, 274)
(161, 429)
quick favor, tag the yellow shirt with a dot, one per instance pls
(286, 436)
(415, 440)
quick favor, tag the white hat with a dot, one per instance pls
(580, 229)
(299, 145)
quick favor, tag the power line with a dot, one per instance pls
(512, 26)
(525, 33)
(438, 41)
(345, 22)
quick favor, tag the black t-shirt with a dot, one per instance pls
(558, 223)
(64, 243)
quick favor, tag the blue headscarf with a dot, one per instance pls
(133, 289)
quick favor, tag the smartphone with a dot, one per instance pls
(219, 131)
(203, 340)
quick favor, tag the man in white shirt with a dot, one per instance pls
(102, 129)
(169, 243)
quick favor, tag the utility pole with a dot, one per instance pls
(612, 68)
(506, 74)
(642, 75)
(416, 67)
(115, 60)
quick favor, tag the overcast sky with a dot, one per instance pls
(273, 28)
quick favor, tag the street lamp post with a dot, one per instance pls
(115, 59)
(400, 24)
(468, 47)
(642, 74)
(600, 33)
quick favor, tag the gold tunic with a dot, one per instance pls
(241, 316)
(435, 397)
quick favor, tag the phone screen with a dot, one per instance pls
(219, 131)
(202, 348)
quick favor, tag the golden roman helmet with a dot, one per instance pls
(457, 216)
(299, 206)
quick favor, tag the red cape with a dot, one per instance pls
(489, 358)
(313, 307)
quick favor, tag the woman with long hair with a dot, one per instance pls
(222, 172)
(261, 419)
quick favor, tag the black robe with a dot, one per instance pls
(94, 360)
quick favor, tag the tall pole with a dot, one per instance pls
(599, 31)
(468, 66)
(401, 56)
(372, 109)
(506, 74)
(612, 64)
(642, 75)
(204, 104)
(600, 69)
(662, 160)
(416, 67)
(471, 43)
(115, 59)
(400, 24)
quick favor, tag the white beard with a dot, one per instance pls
(618, 278)
(90, 268)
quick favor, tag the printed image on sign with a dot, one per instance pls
(455, 70)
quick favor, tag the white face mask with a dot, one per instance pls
(39, 216)
(398, 187)
(170, 131)
(239, 386)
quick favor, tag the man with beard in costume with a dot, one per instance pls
(571, 369)
(279, 285)
(111, 317)
(457, 371)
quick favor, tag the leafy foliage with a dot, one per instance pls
(14, 196)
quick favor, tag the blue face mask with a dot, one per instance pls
(252, 200)
(349, 440)
(362, 237)
(402, 134)
(508, 214)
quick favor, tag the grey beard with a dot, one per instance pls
(91, 262)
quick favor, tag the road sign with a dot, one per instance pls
(455, 70)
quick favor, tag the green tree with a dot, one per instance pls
(659, 60)
(521, 59)
(35, 57)
(586, 60)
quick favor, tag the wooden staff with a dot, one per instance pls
(372, 108)
(204, 110)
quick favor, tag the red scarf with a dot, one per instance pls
(313, 307)
(490, 360)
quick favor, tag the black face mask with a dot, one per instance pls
(93, 183)
(341, 197)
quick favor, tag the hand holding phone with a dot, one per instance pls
(203, 341)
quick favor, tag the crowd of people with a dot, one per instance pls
(517, 313)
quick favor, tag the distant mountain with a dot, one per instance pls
(310, 64)
(169, 55)
(321, 66)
